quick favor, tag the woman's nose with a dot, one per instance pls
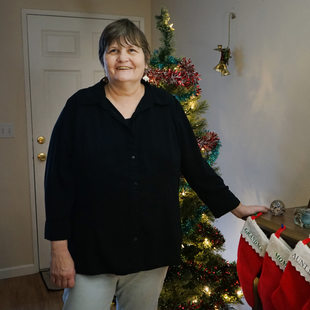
(122, 56)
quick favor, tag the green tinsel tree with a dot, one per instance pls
(204, 280)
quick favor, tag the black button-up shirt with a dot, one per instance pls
(111, 184)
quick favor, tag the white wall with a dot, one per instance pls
(262, 110)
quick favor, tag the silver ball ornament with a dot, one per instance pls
(277, 207)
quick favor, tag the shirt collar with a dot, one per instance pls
(151, 96)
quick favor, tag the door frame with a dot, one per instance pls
(30, 138)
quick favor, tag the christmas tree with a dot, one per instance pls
(203, 280)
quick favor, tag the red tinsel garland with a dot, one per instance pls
(183, 74)
(208, 141)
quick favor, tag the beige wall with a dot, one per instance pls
(262, 110)
(16, 246)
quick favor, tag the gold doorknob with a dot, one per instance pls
(42, 156)
(41, 140)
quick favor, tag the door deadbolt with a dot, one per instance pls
(41, 140)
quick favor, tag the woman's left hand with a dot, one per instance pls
(244, 211)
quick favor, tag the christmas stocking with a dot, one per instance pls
(275, 260)
(251, 250)
(306, 306)
(294, 289)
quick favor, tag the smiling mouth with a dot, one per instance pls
(123, 68)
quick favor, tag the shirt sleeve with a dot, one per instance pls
(59, 181)
(208, 185)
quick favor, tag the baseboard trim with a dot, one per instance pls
(18, 271)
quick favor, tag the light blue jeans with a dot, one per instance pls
(136, 291)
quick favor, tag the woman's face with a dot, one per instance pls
(124, 63)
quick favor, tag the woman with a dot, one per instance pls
(112, 175)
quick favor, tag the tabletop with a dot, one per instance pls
(292, 234)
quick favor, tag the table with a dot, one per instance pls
(292, 234)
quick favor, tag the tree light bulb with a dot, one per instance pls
(207, 243)
(207, 290)
(204, 217)
(239, 293)
(228, 298)
(192, 105)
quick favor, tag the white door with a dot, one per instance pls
(62, 58)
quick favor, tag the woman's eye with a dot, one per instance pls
(112, 50)
(132, 50)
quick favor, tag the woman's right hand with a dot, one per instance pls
(62, 271)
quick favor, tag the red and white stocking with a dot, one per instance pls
(294, 289)
(251, 250)
(275, 260)
(307, 305)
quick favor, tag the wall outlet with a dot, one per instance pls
(7, 130)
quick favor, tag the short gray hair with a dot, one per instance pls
(123, 30)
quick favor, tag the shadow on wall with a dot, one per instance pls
(279, 114)
(238, 57)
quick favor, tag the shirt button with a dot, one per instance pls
(135, 239)
(133, 157)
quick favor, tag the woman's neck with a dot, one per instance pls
(125, 97)
(121, 90)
